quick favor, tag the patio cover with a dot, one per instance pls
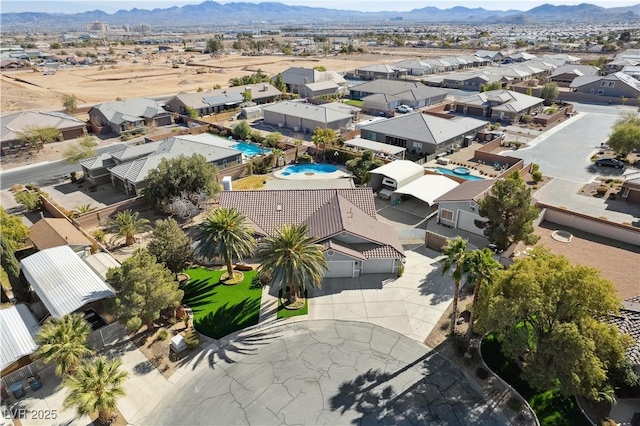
(428, 188)
(63, 281)
(18, 327)
(375, 146)
(101, 263)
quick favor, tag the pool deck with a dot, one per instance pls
(433, 166)
(311, 175)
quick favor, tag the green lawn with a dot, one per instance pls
(551, 408)
(219, 309)
(286, 313)
(354, 102)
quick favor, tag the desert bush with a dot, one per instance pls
(601, 190)
(400, 269)
(305, 159)
(537, 176)
(163, 334)
(535, 167)
(30, 200)
(16, 188)
(99, 235)
(192, 339)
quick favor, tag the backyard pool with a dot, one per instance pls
(249, 149)
(309, 169)
(449, 172)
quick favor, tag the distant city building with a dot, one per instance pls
(100, 27)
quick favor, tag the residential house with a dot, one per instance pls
(62, 282)
(52, 232)
(96, 169)
(127, 116)
(18, 329)
(472, 80)
(215, 101)
(632, 71)
(343, 221)
(13, 125)
(521, 57)
(492, 55)
(561, 59)
(321, 88)
(458, 208)
(423, 134)
(565, 74)
(628, 322)
(415, 67)
(618, 65)
(394, 93)
(440, 65)
(380, 71)
(297, 77)
(618, 85)
(631, 186)
(502, 105)
(547, 67)
(305, 117)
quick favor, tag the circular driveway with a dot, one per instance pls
(324, 372)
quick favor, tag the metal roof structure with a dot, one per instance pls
(399, 170)
(18, 328)
(13, 124)
(471, 190)
(316, 113)
(428, 188)
(101, 262)
(375, 146)
(63, 281)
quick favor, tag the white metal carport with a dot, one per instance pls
(18, 328)
(377, 147)
(395, 174)
(426, 188)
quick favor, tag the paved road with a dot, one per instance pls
(325, 372)
(43, 173)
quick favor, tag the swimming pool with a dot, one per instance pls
(308, 169)
(249, 149)
(444, 171)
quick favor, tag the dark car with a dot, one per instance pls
(609, 162)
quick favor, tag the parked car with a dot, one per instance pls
(609, 162)
(404, 109)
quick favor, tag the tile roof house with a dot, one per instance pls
(14, 124)
(55, 232)
(305, 117)
(214, 101)
(458, 208)
(565, 74)
(628, 322)
(126, 116)
(503, 105)
(380, 71)
(395, 93)
(422, 134)
(343, 221)
(615, 85)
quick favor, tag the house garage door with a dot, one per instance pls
(465, 221)
(377, 266)
(339, 268)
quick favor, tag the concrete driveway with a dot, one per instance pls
(324, 372)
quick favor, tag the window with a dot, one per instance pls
(625, 192)
(607, 84)
(395, 141)
(417, 146)
(372, 136)
(446, 215)
(600, 92)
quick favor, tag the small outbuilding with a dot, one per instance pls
(386, 179)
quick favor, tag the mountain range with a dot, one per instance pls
(211, 13)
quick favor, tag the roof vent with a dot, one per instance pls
(278, 207)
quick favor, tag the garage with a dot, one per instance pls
(378, 266)
(466, 222)
(339, 269)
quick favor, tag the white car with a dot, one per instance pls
(404, 109)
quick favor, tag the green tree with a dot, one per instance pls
(247, 96)
(549, 93)
(320, 68)
(297, 143)
(292, 259)
(272, 140)
(144, 287)
(359, 166)
(455, 253)
(63, 342)
(12, 268)
(545, 312)
(13, 229)
(70, 103)
(480, 268)
(529, 91)
(37, 136)
(180, 174)
(215, 46)
(625, 135)
(127, 225)
(85, 147)
(494, 85)
(277, 154)
(170, 245)
(278, 83)
(227, 232)
(242, 131)
(29, 199)
(81, 209)
(509, 213)
(323, 137)
(191, 112)
(96, 388)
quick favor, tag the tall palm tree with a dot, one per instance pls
(96, 387)
(227, 231)
(298, 144)
(455, 252)
(127, 225)
(277, 155)
(481, 268)
(63, 342)
(292, 259)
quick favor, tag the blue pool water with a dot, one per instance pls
(309, 168)
(444, 171)
(249, 149)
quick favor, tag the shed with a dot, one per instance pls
(18, 328)
(250, 113)
(395, 175)
(63, 282)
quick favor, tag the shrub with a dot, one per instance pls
(192, 339)
(526, 119)
(482, 373)
(163, 334)
(517, 145)
(16, 188)
(514, 403)
(30, 200)
(535, 167)
(305, 159)
(134, 324)
(601, 190)
(400, 269)
(608, 422)
(173, 320)
(593, 158)
(537, 176)
(99, 235)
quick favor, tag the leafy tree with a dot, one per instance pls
(15, 232)
(176, 175)
(242, 131)
(96, 387)
(37, 136)
(494, 85)
(170, 245)
(225, 231)
(278, 83)
(85, 147)
(191, 112)
(509, 213)
(272, 140)
(277, 154)
(247, 96)
(455, 253)
(549, 93)
(144, 287)
(70, 103)
(292, 259)
(12, 268)
(29, 199)
(361, 165)
(63, 342)
(481, 268)
(127, 225)
(625, 135)
(297, 143)
(320, 68)
(255, 78)
(214, 46)
(323, 137)
(545, 312)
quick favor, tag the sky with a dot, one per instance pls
(111, 6)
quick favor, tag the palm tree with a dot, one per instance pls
(126, 225)
(297, 144)
(455, 252)
(292, 259)
(63, 342)
(96, 387)
(481, 268)
(227, 231)
(277, 155)
(81, 209)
